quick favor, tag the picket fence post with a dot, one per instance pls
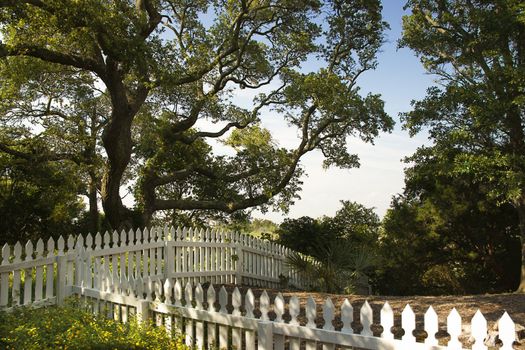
(143, 311)
(265, 335)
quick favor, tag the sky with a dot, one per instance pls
(399, 78)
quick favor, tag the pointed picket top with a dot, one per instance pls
(29, 251)
(107, 240)
(177, 292)
(278, 307)
(366, 316)
(123, 238)
(454, 329)
(61, 243)
(173, 234)
(328, 314)
(236, 302)
(294, 307)
(179, 233)
(70, 243)
(166, 233)
(115, 237)
(188, 294)
(190, 234)
(154, 234)
(478, 331)
(151, 234)
(131, 237)
(408, 323)
(249, 303)
(168, 290)
(211, 298)
(145, 236)
(17, 252)
(89, 242)
(387, 321)
(207, 235)
(431, 326)
(6, 253)
(507, 331)
(98, 241)
(80, 242)
(39, 248)
(223, 300)
(264, 305)
(138, 236)
(149, 288)
(50, 247)
(311, 312)
(158, 289)
(199, 297)
(139, 287)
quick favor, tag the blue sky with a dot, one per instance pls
(399, 78)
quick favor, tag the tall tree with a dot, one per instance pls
(477, 48)
(175, 62)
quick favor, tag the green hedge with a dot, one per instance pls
(73, 327)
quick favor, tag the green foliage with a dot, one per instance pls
(151, 85)
(336, 253)
(353, 222)
(72, 327)
(445, 235)
(477, 49)
(37, 200)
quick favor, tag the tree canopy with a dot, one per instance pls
(445, 235)
(139, 93)
(477, 48)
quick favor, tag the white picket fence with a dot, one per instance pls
(240, 322)
(44, 274)
(142, 273)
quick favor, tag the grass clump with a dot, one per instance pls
(74, 327)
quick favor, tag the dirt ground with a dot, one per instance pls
(491, 305)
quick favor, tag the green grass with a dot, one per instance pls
(74, 327)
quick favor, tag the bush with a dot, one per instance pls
(73, 327)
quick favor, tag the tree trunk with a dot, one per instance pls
(117, 142)
(93, 203)
(521, 213)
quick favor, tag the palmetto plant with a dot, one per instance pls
(337, 266)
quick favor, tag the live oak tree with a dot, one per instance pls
(477, 48)
(169, 70)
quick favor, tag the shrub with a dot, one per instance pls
(73, 327)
